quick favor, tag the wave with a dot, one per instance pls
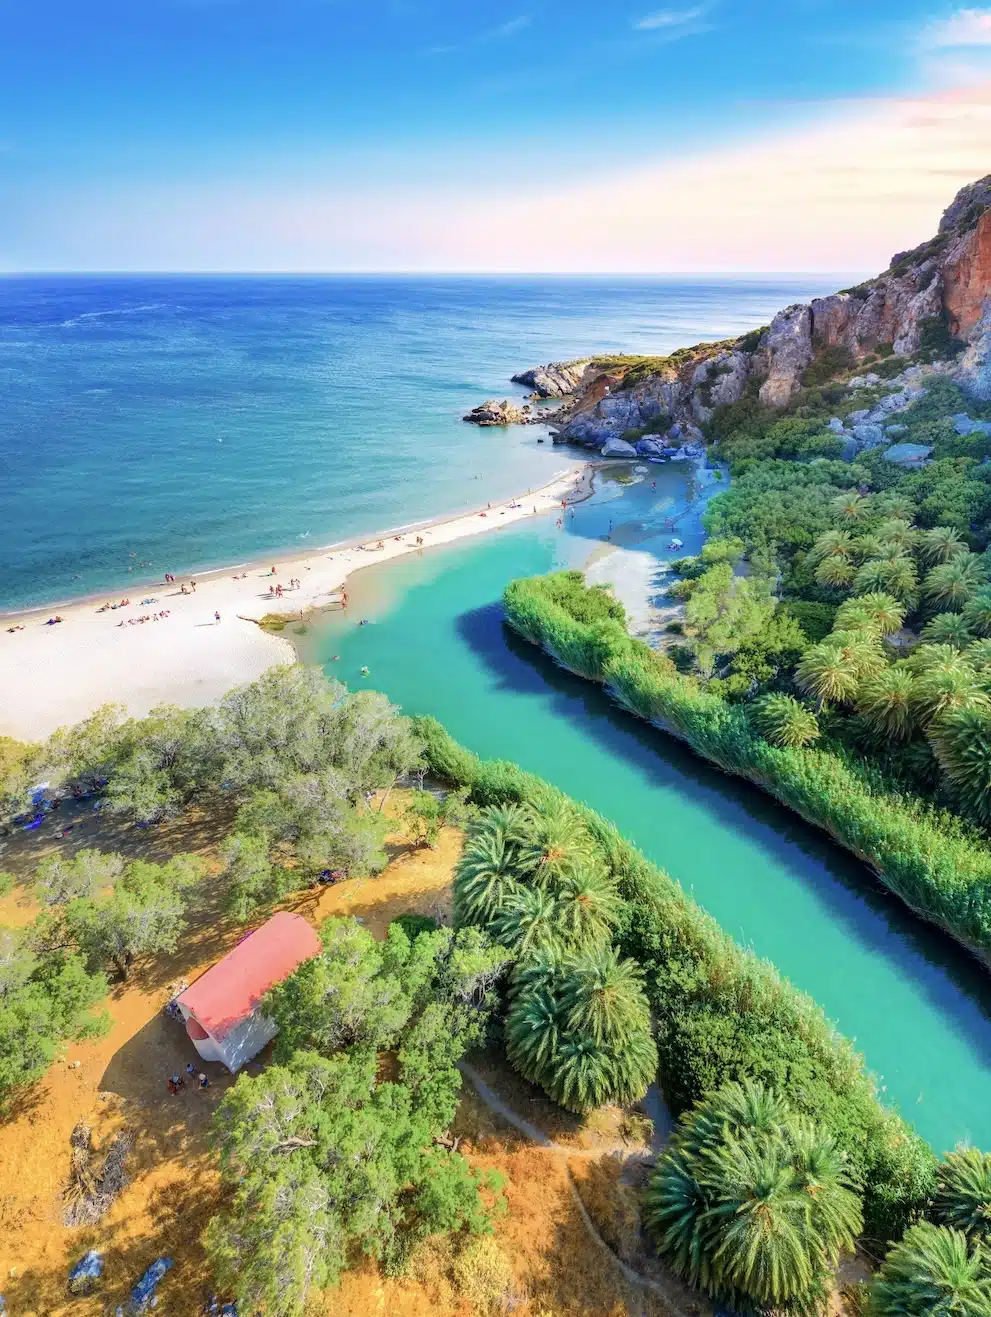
(99, 315)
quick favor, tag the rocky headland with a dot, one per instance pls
(929, 311)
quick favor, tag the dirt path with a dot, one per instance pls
(538, 1136)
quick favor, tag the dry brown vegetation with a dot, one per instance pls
(543, 1263)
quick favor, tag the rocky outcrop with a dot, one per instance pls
(787, 351)
(618, 448)
(932, 303)
(492, 412)
(555, 380)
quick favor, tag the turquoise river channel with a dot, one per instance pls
(916, 1005)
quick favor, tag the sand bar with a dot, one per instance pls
(51, 676)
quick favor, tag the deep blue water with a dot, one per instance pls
(187, 421)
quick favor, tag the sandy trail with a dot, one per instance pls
(51, 676)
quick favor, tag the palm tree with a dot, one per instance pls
(933, 1272)
(754, 1214)
(872, 577)
(886, 613)
(963, 1192)
(961, 740)
(586, 1075)
(948, 629)
(533, 1034)
(977, 613)
(527, 921)
(827, 674)
(557, 842)
(943, 687)
(589, 907)
(903, 581)
(978, 655)
(886, 703)
(484, 878)
(850, 506)
(867, 546)
(859, 648)
(897, 532)
(603, 997)
(895, 505)
(835, 572)
(781, 720)
(940, 544)
(831, 544)
(951, 585)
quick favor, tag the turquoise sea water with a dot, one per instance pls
(916, 1005)
(188, 422)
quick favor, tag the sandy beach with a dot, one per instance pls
(54, 675)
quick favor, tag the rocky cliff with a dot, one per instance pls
(932, 304)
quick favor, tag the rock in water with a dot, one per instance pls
(492, 412)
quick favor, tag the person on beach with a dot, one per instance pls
(216, 617)
(204, 1082)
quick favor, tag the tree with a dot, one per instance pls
(835, 572)
(484, 877)
(946, 685)
(951, 585)
(17, 766)
(977, 613)
(933, 1271)
(978, 655)
(724, 611)
(579, 1026)
(887, 703)
(940, 544)
(554, 842)
(144, 913)
(832, 544)
(357, 993)
(850, 506)
(46, 997)
(325, 1162)
(885, 612)
(529, 921)
(163, 761)
(828, 674)
(781, 720)
(588, 908)
(897, 532)
(374, 746)
(60, 879)
(426, 814)
(961, 739)
(253, 882)
(87, 752)
(963, 1193)
(752, 1203)
(948, 629)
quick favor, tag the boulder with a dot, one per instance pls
(892, 431)
(650, 448)
(836, 425)
(618, 448)
(910, 455)
(864, 381)
(492, 412)
(963, 424)
(868, 436)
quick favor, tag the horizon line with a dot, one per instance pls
(425, 274)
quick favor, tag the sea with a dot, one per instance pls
(178, 423)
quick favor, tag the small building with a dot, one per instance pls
(220, 1010)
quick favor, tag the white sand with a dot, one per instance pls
(51, 676)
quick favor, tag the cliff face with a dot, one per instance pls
(935, 298)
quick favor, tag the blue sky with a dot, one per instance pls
(334, 134)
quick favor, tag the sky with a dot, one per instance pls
(503, 136)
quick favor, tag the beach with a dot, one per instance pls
(54, 675)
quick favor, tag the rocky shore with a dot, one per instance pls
(929, 311)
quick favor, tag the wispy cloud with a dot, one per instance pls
(965, 29)
(513, 26)
(674, 22)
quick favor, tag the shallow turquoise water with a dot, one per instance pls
(913, 1003)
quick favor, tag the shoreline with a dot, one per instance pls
(53, 676)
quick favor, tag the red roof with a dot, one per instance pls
(230, 990)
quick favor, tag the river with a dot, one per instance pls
(912, 1001)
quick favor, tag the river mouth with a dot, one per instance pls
(434, 641)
